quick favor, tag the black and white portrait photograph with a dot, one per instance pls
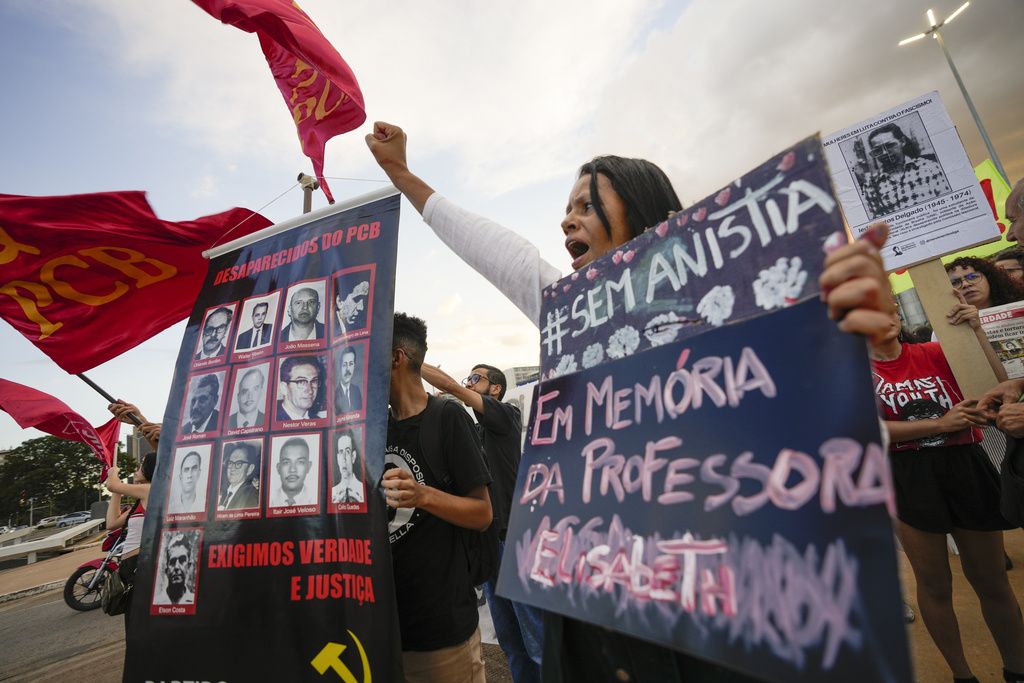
(190, 475)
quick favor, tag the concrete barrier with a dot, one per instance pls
(57, 541)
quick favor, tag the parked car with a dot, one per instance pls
(49, 521)
(74, 518)
(4, 529)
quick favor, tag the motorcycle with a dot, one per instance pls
(83, 589)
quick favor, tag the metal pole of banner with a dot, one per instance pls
(934, 33)
(309, 183)
(375, 195)
(104, 394)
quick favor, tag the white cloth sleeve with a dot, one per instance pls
(511, 262)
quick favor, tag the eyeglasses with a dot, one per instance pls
(215, 331)
(474, 378)
(305, 383)
(958, 282)
(237, 464)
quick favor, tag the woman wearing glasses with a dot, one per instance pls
(944, 485)
(982, 283)
(613, 200)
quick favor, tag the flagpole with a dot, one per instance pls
(104, 394)
(309, 183)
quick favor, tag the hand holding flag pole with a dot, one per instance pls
(131, 415)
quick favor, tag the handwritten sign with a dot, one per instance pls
(724, 493)
(755, 246)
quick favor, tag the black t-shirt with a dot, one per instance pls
(436, 603)
(501, 429)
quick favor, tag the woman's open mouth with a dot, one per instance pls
(577, 250)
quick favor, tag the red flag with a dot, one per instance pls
(87, 277)
(318, 86)
(31, 408)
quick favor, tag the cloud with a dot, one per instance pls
(207, 187)
(449, 306)
(739, 80)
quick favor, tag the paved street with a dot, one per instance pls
(44, 640)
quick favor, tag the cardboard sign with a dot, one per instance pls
(755, 246)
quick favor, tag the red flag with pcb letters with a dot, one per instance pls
(32, 408)
(318, 86)
(87, 277)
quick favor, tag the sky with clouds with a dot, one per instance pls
(502, 102)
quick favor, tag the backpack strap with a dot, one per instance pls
(430, 443)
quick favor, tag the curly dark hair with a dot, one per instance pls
(1002, 288)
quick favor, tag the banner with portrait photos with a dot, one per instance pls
(265, 552)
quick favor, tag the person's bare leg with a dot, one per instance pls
(929, 558)
(981, 556)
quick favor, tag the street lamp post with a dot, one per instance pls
(934, 32)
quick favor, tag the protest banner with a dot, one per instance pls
(754, 246)
(724, 494)
(907, 166)
(1004, 327)
(265, 552)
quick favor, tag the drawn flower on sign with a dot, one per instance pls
(722, 198)
(575, 275)
(628, 256)
(834, 241)
(700, 213)
(681, 218)
(566, 288)
(716, 306)
(781, 284)
(663, 329)
(591, 273)
(623, 342)
(593, 355)
(566, 365)
(661, 229)
(617, 257)
(787, 161)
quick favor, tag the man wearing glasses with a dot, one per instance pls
(239, 494)
(499, 425)
(215, 330)
(302, 311)
(299, 387)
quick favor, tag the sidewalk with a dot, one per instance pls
(45, 575)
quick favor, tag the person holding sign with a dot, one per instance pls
(982, 283)
(613, 200)
(944, 486)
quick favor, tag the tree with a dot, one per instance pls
(49, 471)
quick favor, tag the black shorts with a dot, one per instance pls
(944, 487)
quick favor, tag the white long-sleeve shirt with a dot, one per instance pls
(510, 261)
